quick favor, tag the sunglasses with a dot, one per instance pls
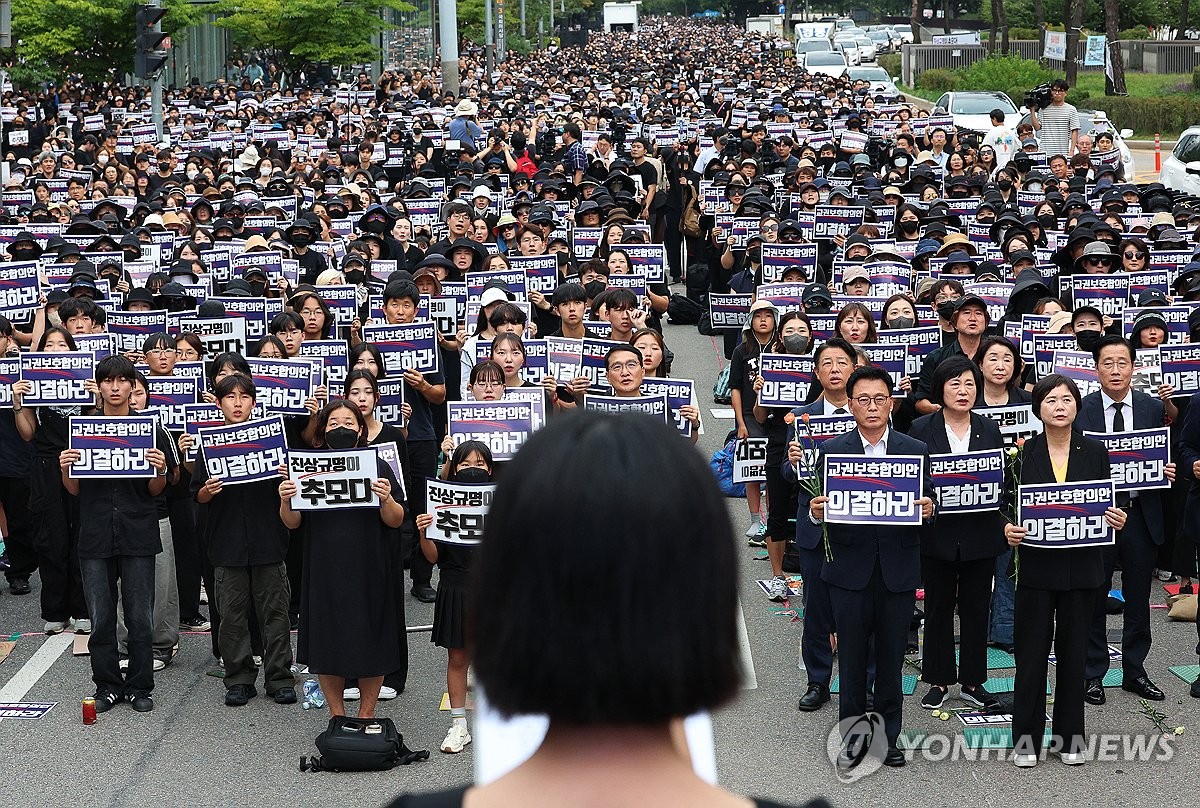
(1097, 262)
(1135, 256)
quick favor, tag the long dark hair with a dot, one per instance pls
(328, 410)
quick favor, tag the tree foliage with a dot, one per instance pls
(298, 32)
(92, 38)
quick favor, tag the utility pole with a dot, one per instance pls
(523, 34)
(489, 41)
(150, 56)
(448, 36)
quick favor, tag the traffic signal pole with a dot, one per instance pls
(150, 58)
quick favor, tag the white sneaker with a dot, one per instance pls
(298, 669)
(55, 627)
(456, 739)
(1025, 761)
(159, 664)
(82, 626)
(257, 660)
(755, 526)
(351, 694)
(778, 589)
(1072, 758)
(387, 693)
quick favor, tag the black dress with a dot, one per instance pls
(348, 615)
(450, 610)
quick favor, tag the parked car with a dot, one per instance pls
(867, 51)
(849, 46)
(1181, 169)
(971, 110)
(805, 46)
(825, 63)
(882, 40)
(905, 31)
(881, 82)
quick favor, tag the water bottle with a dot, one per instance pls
(313, 697)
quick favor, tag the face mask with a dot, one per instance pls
(54, 319)
(374, 225)
(958, 194)
(102, 158)
(1081, 172)
(909, 227)
(341, 437)
(258, 288)
(1048, 222)
(1087, 339)
(795, 343)
(1004, 185)
(23, 253)
(985, 217)
(755, 254)
(594, 288)
(472, 475)
(901, 322)
(946, 309)
(301, 240)
(265, 171)
(192, 173)
(355, 275)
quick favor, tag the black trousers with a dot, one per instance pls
(815, 649)
(191, 556)
(863, 615)
(1043, 618)
(257, 595)
(1138, 555)
(136, 577)
(56, 541)
(19, 543)
(967, 585)
(422, 463)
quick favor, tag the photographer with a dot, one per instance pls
(1056, 123)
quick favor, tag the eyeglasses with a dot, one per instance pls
(487, 384)
(1135, 256)
(631, 365)
(867, 401)
(162, 351)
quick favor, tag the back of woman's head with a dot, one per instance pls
(601, 526)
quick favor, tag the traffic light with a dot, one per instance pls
(149, 58)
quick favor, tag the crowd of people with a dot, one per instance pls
(712, 144)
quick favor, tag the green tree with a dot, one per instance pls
(299, 32)
(94, 38)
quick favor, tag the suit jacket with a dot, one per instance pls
(1056, 569)
(1189, 453)
(855, 548)
(966, 536)
(808, 535)
(1147, 414)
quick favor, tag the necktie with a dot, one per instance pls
(840, 411)
(1118, 417)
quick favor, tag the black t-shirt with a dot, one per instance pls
(453, 798)
(312, 264)
(241, 524)
(742, 370)
(50, 438)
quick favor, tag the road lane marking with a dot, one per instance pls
(33, 670)
(745, 658)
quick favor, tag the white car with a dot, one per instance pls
(1093, 123)
(825, 63)
(972, 110)
(1181, 169)
(849, 46)
(866, 48)
(905, 32)
(881, 82)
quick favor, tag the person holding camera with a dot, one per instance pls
(1056, 123)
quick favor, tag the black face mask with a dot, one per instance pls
(301, 239)
(132, 254)
(909, 227)
(1087, 339)
(958, 195)
(1004, 185)
(795, 343)
(594, 288)
(355, 275)
(901, 322)
(946, 309)
(375, 225)
(755, 254)
(23, 253)
(472, 475)
(341, 437)
(1048, 222)
(258, 288)
(986, 216)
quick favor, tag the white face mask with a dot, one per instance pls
(264, 171)
(192, 173)
(102, 158)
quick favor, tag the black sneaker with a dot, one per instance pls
(979, 697)
(19, 586)
(935, 698)
(239, 695)
(424, 593)
(285, 695)
(106, 700)
(197, 623)
(142, 704)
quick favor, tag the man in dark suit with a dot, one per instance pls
(1116, 407)
(875, 570)
(1189, 467)
(833, 363)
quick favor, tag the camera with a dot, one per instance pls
(1039, 97)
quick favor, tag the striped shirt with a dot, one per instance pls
(1057, 124)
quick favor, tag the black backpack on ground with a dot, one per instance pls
(351, 744)
(683, 310)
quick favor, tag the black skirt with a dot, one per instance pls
(450, 612)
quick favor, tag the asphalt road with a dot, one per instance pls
(192, 750)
